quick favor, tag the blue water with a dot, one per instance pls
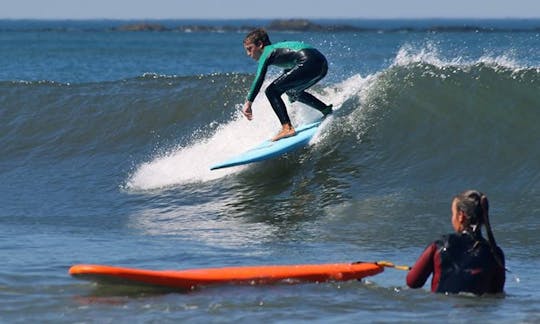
(107, 138)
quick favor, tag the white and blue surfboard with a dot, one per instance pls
(268, 149)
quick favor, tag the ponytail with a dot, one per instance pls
(485, 217)
(491, 239)
(476, 208)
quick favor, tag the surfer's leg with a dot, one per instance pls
(292, 82)
(274, 92)
(310, 100)
(307, 73)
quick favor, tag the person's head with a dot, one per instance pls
(469, 210)
(254, 43)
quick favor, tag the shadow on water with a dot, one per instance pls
(294, 188)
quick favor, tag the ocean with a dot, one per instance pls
(106, 139)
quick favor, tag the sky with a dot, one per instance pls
(249, 9)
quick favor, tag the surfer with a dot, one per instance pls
(303, 67)
(463, 261)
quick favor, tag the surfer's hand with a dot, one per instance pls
(247, 110)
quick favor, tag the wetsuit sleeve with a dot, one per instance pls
(423, 268)
(259, 77)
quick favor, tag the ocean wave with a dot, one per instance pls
(422, 117)
(430, 54)
(60, 120)
(453, 121)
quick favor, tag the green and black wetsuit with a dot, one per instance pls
(303, 67)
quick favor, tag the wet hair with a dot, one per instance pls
(257, 35)
(475, 205)
(472, 202)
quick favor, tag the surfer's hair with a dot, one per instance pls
(475, 205)
(471, 203)
(257, 35)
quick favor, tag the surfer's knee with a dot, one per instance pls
(272, 91)
(292, 95)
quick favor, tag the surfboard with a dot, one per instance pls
(268, 149)
(250, 275)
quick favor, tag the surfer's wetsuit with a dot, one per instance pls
(460, 263)
(304, 66)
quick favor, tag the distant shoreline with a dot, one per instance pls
(277, 25)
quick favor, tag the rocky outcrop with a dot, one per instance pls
(293, 25)
(305, 25)
(287, 25)
(142, 27)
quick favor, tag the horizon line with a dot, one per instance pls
(281, 18)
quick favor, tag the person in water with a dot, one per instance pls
(463, 261)
(303, 67)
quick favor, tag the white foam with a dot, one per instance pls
(408, 54)
(191, 164)
(430, 54)
(504, 61)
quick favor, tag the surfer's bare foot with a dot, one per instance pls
(286, 131)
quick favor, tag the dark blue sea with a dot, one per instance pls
(107, 136)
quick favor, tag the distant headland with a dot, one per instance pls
(277, 25)
(305, 25)
(292, 25)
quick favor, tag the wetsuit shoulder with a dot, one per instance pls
(292, 45)
(281, 54)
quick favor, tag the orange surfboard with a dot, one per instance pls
(251, 275)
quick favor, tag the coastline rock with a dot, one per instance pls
(304, 25)
(294, 25)
(286, 25)
(142, 27)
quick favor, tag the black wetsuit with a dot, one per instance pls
(303, 67)
(460, 262)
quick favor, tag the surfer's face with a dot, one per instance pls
(458, 217)
(254, 50)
